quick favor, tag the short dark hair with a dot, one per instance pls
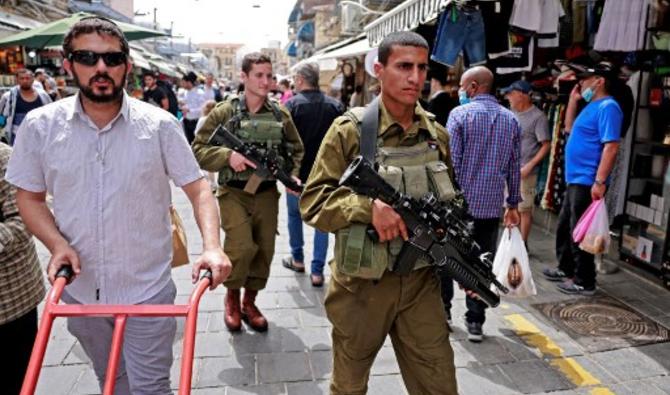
(149, 74)
(97, 25)
(24, 71)
(250, 59)
(402, 39)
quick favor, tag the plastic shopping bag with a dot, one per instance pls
(597, 237)
(511, 265)
(585, 221)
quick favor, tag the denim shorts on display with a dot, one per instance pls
(460, 31)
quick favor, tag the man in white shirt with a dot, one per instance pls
(194, 100)
(107, 159)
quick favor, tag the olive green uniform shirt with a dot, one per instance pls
(329, 207)
(213, 158)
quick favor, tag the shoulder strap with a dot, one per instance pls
(369, 129)
(275, 110)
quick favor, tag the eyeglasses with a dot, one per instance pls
(90, 58)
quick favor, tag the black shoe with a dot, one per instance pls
(475, 331)
(554, 274)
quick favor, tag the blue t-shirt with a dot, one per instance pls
(597, 124)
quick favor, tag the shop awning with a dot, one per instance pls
(139, 60)
(306, 32)
(292, 49)
(407, 16)
(356, 48)
(10, 23)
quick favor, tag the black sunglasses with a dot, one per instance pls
(90, 58)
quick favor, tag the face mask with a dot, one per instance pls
(463, 97)
(587, 94)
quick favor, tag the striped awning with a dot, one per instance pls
(407, 16)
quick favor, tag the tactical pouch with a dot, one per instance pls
(439, 177)
(392, 175)
(357, 255)
(416, 181)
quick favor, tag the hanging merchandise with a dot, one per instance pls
(555, 186)
(461, 29)
(520, 56)
(622, 27)
(497, 39)
(540, 17)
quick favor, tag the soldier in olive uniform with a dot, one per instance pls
(249, 220)
(365, 301)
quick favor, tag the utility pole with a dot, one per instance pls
(155, 26)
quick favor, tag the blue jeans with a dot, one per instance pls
(296, 240)
(460, 31)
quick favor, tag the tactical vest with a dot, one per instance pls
(264, 130)
(414, 170)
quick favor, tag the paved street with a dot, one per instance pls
(522, 353)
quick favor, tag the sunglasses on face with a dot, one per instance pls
(90, 58)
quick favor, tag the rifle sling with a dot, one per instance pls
(369, 130)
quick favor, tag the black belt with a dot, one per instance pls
(262, 187)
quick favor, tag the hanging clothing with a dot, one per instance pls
(520, 56)
(555, 185)
(540, 17)
(622, 26)
(460, 30)
(497, 39)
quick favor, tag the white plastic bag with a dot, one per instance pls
(597, 238)
(511, 265)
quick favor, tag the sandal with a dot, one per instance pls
(289, 264)
(317, 280)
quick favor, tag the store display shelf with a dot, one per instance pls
(630, 257)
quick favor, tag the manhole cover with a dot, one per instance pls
(603, 323)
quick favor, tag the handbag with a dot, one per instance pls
(179, 243)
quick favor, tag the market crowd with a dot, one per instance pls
(451, 136)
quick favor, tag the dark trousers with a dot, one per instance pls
(571, 259)
(486, 235)
(189, 129)
(17, 337)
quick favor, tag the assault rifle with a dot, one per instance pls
(436, 232)
(267, 161)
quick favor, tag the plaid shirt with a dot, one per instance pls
(486, 148)
(21, 283)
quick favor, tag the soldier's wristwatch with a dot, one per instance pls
(599, 182)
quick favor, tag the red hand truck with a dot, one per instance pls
(120, 313)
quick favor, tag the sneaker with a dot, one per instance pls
(569, 287)
(475, 331)
(554, 274)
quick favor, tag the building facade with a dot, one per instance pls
(222, 58)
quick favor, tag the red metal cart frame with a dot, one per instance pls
(120, 313)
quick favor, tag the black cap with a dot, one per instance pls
(601, 69)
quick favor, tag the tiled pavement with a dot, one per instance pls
(294, 356)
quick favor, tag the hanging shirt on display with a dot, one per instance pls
(519, 58)
(622, 26)
(540, 17)
(497, 39)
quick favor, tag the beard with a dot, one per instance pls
(89, 93)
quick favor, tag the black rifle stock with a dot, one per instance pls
(267, 162)
(437, 231)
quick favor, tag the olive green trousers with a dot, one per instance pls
(409, 309)
(249, 223)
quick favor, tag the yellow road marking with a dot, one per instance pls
(533, 336)
(601, 391)
(575, 372)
